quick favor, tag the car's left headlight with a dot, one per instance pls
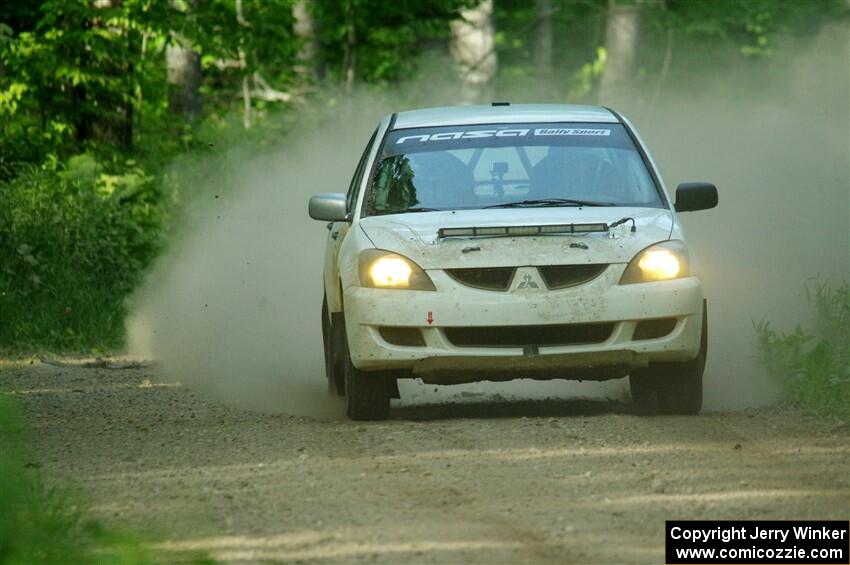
(659, 262)
(383, 269)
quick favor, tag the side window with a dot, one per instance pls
(358, 175)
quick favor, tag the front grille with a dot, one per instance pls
(410, 337)
(495, 278)
(521, 336)
(563, 276)
(653, 329)
(499, 278)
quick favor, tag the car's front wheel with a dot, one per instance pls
(333, 369)
(367, 395)
(672, 388)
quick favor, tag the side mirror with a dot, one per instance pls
(328, 207)
(692, 196)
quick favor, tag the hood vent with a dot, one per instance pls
(502, 231)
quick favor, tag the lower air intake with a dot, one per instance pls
(653, 329)
(521, 336)
(409, 337)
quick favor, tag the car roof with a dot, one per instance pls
(502, 113)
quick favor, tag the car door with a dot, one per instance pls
(338, 230)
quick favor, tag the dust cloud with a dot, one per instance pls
(778, 149)
(232, 308)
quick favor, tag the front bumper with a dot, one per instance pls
(440, 360)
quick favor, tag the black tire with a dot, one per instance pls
(367, 395)
(674, 388)
(643, 385)
(333, 372)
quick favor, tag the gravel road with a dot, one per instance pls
(486, 482)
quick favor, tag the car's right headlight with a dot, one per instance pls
(383, 269)
(660, 262)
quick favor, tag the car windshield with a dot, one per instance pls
(505, 165)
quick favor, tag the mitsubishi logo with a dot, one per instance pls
(526, 282)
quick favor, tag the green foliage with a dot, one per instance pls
(813, 364)
(263, 36)
(75, 238)
(386, 36)
(73, 74)
(588, 75)
(578, 28)
(752, 24)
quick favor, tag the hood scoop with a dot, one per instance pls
(524, 230)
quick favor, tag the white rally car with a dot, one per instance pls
(511, 241)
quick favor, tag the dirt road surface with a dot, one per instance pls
(492, 482)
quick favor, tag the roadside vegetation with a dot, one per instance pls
(79, 234)
(813, 362)
(42, 524)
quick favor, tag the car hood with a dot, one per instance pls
(414, 235)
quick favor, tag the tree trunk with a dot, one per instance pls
(247, 117)
(112, 120)
(665, 68)
(247, 108)
(621, 40)
(183, 66)
(543, 38)
(308, 64)
(349, 53)
(183, 69)
(473, 49)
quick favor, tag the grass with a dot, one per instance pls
(48, 525)
(812, 363)
(74, 239)
(77, 234)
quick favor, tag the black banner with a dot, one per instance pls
(693, 542)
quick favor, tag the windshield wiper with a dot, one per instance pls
(622, 221)
(542, 202)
